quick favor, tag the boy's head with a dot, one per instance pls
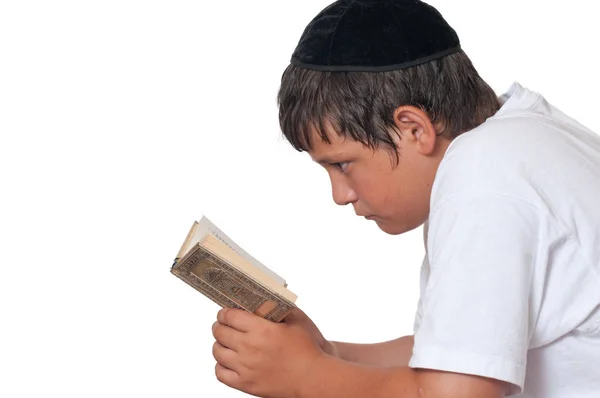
(375, 92)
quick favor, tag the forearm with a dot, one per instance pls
(334, 378)
(390, 353)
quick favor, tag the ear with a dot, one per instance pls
(415, 129)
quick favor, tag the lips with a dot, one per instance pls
(367, 216)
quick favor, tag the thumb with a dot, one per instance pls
(296, 315)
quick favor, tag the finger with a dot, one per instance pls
(226, 376)
(227, 336)
(238, 319)
(297, 317)
(226, 357)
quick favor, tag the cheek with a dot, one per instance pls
(387, 195)
(376, 191)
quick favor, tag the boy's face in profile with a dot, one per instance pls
(394, 195)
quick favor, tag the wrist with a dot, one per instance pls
(315, 376)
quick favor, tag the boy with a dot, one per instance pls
(508, 190)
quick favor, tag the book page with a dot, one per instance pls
(222, 250)
(205, 226)
(189, 241)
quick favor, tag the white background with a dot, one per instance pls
(123, 121)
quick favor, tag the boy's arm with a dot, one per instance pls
(390, 353)
(333, 378)
(269, 359)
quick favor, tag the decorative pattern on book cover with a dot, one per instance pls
(227, 286)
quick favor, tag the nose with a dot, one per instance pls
(342, 193)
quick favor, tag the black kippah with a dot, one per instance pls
(374, 35)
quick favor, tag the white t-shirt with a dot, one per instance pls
(510, 286)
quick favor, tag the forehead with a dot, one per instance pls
(337, 145)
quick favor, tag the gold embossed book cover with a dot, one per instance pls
(210, 262)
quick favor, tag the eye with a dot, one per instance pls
(341, 166)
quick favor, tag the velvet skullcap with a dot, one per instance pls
(374, 35)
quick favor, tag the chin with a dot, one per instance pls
(394, 228)
(389, 228)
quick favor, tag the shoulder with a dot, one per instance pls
(502, 156)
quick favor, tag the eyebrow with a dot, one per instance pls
(328, 159)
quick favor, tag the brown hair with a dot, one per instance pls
(361, 104)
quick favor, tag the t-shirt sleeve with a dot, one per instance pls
(476, 312)
(424, 276)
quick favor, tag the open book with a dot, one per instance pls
(213, 264)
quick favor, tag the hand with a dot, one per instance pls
(297, 316)
(261, 357)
